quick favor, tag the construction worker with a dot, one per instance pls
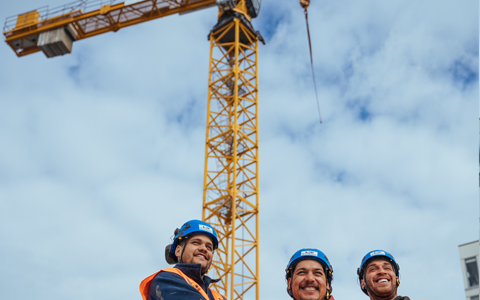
(379, 276)
(309, 275)
(192, 253)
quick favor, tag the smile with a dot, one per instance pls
(201, 255)
(309, 288)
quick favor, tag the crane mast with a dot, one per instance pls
(230, 200)
(230, 193)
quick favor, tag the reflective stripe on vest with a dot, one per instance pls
(145, 285)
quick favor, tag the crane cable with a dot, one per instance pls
(311, 62)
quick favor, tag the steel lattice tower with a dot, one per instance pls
(230, 199)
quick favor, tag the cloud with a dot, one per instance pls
(102, 150)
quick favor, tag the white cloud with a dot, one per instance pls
(102, 151)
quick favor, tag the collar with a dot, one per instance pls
(194, 271)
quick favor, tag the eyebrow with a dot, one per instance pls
(304, 269)
(373, 264)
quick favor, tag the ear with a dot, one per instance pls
(178, 251)
(288, 282)
(362, 284)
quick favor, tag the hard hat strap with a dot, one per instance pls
(180, 260)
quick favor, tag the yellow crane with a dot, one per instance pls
(230, 194)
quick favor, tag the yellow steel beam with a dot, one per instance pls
(230, 200)
(105, 19)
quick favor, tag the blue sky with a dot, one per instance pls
(102, 150)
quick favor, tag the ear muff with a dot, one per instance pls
(168, 257)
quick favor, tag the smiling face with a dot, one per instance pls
(308, 281)
(380, 280)
(198, 250)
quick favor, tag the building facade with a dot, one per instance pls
(469, 260)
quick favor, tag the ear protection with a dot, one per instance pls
(171, 259)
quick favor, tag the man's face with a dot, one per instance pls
(308, 281)
(198, 250)
(380, 279)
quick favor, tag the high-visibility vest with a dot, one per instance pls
(145, 285)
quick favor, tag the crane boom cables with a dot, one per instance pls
(304, 4)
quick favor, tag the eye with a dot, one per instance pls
(301, 272)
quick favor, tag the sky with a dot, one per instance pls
(102, 150)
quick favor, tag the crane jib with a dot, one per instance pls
(22, 32)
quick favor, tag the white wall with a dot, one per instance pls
(467, 251)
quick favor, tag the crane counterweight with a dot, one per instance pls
(58, 41)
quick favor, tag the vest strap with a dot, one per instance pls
(145, 285)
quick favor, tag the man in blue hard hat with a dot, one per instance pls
(309, 275)
(379, 276)
(192, 253)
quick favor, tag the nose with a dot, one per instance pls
(382, 271)
(309, 277)
(202, 248)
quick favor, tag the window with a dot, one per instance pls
(474, 298)
(472, 272)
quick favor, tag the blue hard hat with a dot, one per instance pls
(313, 254)
(377, 254)
(194, 227)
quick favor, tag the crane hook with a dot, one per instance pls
(305, 4)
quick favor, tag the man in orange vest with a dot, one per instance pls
(192, 253)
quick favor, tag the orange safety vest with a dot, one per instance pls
(145, 285)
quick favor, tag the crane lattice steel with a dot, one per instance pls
(230, 195)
